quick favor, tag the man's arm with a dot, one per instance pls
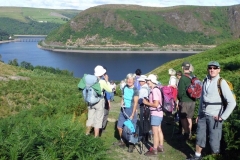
(105, 85)
(231, 102)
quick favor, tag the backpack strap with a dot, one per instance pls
(187, 75)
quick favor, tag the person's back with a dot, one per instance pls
(184, 82)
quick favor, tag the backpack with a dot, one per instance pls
(168, 103)
(89, 94)
(220, 91)
(194, 90)
(136, 83)
(130, 133)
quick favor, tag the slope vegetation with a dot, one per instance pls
(148, 26)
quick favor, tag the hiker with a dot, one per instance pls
(173, 83)
(155, 102)
(107, 107)
(177, 119)
(113, 86)
(129, 103)
(138, 73)
(96, 112)
(122, 84)
(210, 114)
(186, 103)
(173, 79)
(144, 89)
(144, 112)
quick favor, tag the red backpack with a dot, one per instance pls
(194, 90)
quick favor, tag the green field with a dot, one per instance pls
(37, 14)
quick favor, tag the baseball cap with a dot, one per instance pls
(186, 64)
(214, 63)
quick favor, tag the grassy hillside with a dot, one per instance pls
(23, 14)
(21, 20)
(149, 26)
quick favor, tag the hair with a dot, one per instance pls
(172, 72)
(191, 68)
(138, 72)
(130, 75)
(179, 73)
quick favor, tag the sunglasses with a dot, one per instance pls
(215, 67)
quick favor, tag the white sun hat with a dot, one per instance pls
(152, 78)
(142, 78)
(99, 71)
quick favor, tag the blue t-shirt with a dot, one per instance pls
(128, 94)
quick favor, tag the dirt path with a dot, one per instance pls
(175, 148)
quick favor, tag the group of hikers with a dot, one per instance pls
(141, 91)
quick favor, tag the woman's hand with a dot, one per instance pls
(145, 101)
(131, 117)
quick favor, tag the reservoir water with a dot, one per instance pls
(118, 65)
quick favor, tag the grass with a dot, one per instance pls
(36, 14)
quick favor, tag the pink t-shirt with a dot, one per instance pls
(156, 95)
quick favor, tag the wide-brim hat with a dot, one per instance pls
(99, 71)
(152, 78)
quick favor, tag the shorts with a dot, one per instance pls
(186, 109)
(156, 121)
(95, 114)
(122, 118)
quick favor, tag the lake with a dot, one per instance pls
(118, 65)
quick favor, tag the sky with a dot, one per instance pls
(85, 4)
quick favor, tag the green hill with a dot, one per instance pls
(149, 26)
(22, 20)
(3, 35)
(43, 114)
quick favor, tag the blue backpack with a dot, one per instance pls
(89, 94)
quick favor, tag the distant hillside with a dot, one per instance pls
(149, 26)
(20, 20)
(3, 35)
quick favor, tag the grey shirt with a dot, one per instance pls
(144, 91)
(210, 94)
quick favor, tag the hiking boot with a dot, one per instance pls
(194, 158)
(159, 149)
(151, 152)
(130, 148)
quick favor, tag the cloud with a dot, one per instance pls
(84, 4)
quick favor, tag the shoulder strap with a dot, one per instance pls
(188, 76)
(219, 87)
